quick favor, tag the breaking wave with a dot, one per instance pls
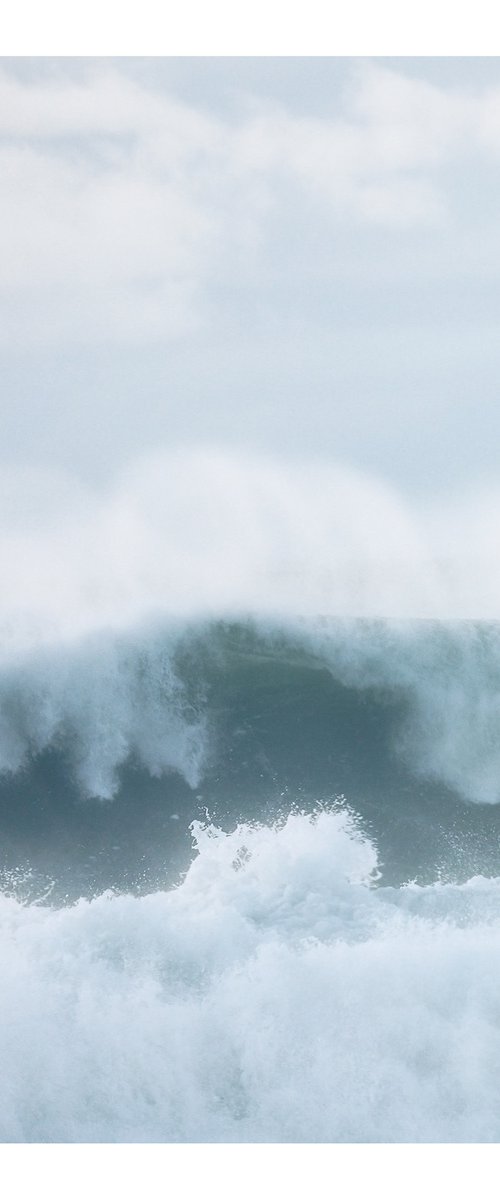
(153, 695)
(249, 854)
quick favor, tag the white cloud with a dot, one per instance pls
(106, 102)
(120, 205)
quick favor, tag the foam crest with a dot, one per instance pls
(102, 702)
(274, 996)
(447, 680)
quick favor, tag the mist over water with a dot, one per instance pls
(192, 532)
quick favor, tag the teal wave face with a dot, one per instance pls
(122, 743)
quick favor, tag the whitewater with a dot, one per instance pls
(276, 995)
(249, 809)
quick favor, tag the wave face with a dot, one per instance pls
(247, 720)
(247, 861)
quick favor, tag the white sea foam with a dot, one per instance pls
(276, 995)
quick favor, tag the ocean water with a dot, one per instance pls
(250, 878)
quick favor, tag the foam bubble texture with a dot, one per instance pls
(276, 995)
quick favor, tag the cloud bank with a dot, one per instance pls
(122, 204)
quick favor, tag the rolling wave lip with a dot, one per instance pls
(148, 694)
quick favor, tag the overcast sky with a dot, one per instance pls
(300, 256)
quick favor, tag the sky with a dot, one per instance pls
(249, 339)
(288, 256)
